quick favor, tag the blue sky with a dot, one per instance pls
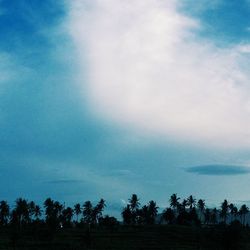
(109, 98)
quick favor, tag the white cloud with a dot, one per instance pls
(148, 70)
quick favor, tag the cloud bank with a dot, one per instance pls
(148, 70)
(218, 170)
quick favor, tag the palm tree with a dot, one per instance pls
(207, 216)
(32, 206)
(152, 211)
(37, 212)
(134, 202)
(22, 210)
(224, 210)
(184, 204)
(233, 211)
(174, 201)
(127, 215)
(88, 212)
(169, 215)
(98, 209)
(4, 212)
(134, 206)
(201, 206)
(49, 208)
(77, 210)
(214, 216)
(191, 201)
(244, 210)
(67, 215)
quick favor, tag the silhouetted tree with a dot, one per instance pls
(22, 210)
(244, 210)
(4, 213)
(207, 216)
(184, 204)
(31, 207)
(214, 216)
(127, 215)
(201, 207)
(174, 201)
(152, 212)
(134, 206)
(191, 201)
(77, 210)
(87, 212)
(67, 215)
(224, 210)
(97, 210)
(37, 212)
(169, 215)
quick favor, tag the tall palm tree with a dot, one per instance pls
(98, 209)
(233, 211)
(214, 216)
(152, 212)
(169, 215)
(22, 210)
(224, 210)
(88, 212)
(207, 216)
(134, 202)
(244, 211)
(201, 206)
(191, 201)
(4, 212)
(184, 204)
(134, 206)
(31, 206)
(174, 201)
(67, 215)
(49, 208)
(127, 215)
(37, 212)
(77, 210)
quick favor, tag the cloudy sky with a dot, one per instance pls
(105, 98)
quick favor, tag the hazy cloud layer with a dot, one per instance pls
(219, 170)
(148, 70)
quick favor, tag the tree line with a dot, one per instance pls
(189, 211)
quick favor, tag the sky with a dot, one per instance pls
(106, 98)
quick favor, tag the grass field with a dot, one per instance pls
(127, 238)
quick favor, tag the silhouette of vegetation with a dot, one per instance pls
(225, 225)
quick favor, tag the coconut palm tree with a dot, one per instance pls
(224, 210)
(168, 215)
(37, 212)
(191, 201)
(233, 211)
(127, 215)
(184, 204)
(201, 207)
(244, 210)
(98, 209)
(152, 211)
(174, 201)
(134, 202)
(214, 216)
(4, 213)
(22, 210)
(87, 212)
(134, 206)
(207, 216)
(77, 210)
(32, 206)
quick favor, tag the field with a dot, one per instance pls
(126, 238)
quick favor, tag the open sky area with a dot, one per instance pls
(105, 98)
